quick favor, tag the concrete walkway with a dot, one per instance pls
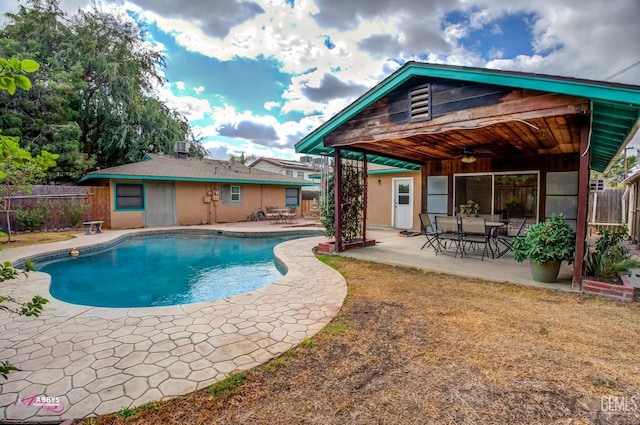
(80, 361)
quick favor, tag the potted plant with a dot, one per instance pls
(470, 208)
(546, 245)
(512, 205)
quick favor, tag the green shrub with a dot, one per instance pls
(72, 212)
(33, 217)
(611, 257)
(550, 240)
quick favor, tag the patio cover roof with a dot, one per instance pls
(615, 112)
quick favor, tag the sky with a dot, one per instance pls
(256, 76)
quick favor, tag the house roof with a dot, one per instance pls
(165, 167)
(614, 114)
(284, 163)
(631, 179)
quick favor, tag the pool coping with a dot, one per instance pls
(99, 360)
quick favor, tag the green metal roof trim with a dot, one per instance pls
(191, 179)
(614, 105)
(390, 171)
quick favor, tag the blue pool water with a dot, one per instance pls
(165, 270)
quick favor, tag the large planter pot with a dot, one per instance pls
(547, 272)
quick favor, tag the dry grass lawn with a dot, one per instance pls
(35, 238)
(411, 347)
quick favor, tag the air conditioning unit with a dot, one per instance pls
(181, 149)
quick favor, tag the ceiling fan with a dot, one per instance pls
(468, 156)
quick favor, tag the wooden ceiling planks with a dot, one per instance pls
(524, 122)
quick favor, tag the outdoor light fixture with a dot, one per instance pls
(468, 158)
(379, 181)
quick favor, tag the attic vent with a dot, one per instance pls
(420, 99)
(596, 184)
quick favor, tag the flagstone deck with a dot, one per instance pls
(100, 360)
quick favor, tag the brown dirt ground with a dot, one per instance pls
(411, 347)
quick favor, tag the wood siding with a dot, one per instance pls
(490, 120)
(543, 163)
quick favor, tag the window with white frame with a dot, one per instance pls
(235, 193)
(507, 195)
(231, 194)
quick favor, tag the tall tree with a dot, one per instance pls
(94, 98)
(619, 171)
(45, 117)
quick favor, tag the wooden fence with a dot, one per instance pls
(61, 199)
(309, 208)
(605, 206)
(605, 210)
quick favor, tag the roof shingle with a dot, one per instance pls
(165, 167)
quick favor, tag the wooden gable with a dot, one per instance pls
(489, 120)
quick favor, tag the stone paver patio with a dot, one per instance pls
(91, 361)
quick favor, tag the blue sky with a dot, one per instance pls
(255, 76)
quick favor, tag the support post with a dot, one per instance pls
(583, 197)
(364, 198)
(337, 193)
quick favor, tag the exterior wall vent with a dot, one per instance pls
(596, 184)
(420, 103)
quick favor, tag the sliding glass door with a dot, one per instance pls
(505, 195)
(516, 195)
(476, 188)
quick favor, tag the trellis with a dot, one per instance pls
(350, 199)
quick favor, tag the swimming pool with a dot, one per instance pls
(161, 270)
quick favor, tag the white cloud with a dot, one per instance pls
(369, 40)
(191, 107)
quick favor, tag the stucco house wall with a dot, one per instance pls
(188, 192)
(380, 198)
(123, 219)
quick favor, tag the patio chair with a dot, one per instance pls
(473, 234)
(429, 231)
(290, 216)
(515, 227)
(272, 216)
(447, 231)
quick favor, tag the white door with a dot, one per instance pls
(403, 203)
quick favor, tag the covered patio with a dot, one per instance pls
(519, 144)
(395, 250)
